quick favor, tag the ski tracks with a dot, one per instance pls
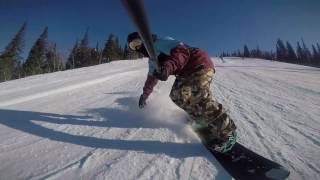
(265, 106)
(86, 166)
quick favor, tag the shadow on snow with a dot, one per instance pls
(24, 121)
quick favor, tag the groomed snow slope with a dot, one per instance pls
(85, 123)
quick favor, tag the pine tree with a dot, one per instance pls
(315, 56)
(300, 54)
(258, 52)
(111, 50)
(10, 59)
(96, 55)
(291, 56)
(119, 49)
(83, 56)
(126, 52)
(36, 60)
(281, 51)
(54, 62)
(246, 52)
(255, 53)
(306, 53)
(239, 53)
(72, 57)
(267, 55)
(271, 56)
(48, 65)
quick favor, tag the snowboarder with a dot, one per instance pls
(194, 73)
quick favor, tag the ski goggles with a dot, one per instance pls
(135, 44)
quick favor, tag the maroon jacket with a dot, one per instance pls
(182, 62)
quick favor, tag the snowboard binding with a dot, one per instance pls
(223, 147)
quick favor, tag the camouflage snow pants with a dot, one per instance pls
(193, 95)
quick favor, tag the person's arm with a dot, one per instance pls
(147, 90)
(150, 83)
(174, 63)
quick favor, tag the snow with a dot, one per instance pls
(85, 123)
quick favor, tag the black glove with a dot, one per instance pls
(162, 75)
(142, 101)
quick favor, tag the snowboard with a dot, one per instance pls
(244, 164)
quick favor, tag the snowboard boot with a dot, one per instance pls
(225, 146)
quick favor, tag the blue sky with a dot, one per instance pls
(214, 25)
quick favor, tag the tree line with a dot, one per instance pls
(284, 52)
(44, 57)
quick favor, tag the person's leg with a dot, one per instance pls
(194, 96)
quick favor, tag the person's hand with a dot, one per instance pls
(142, 101)
(162, 75)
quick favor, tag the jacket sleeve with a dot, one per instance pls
(178, 58)
(150, 83)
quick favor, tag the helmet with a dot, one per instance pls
(134, 40)
(133, 36)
